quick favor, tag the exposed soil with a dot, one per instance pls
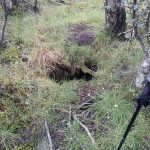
(80, 74)
(86, 95)
(29, 131)
(81, 34)
(92, 65)
(23, 56)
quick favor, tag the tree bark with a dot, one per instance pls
(147, 24)
(115, 17)
(3, 29)
(3, 24)
(35, 6)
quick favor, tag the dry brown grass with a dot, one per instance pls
(53, 63)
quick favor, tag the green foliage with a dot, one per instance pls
(18, 12)
(11, 55)
(24, 28)
(78, 55)
(28, 97)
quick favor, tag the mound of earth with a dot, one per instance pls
(86, 95)
(81, 34)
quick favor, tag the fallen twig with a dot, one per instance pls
(87, 130)
(48, 136)
(73, 131)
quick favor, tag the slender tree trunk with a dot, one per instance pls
(147, 24)
(4, 23)
(15, 2)
(35, 6)
(115, 17)
(3, 28)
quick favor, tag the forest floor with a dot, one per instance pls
(61, 68)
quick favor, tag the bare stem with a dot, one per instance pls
(48, 136)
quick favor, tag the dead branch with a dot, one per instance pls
(72, 129)
(87, 131)
(48, 136)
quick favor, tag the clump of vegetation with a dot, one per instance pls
(11, 55)
(18, 125)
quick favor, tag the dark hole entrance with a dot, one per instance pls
(63, 73)
(79, 74)
(91, 64)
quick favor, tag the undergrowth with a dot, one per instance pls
(28, 96)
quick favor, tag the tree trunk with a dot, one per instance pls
(35, 6)
(3, 25)
(3, 29)
(115, 17)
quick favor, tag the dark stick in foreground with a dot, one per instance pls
(138, 108)
(142, 100)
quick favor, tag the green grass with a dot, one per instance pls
(30, 96)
